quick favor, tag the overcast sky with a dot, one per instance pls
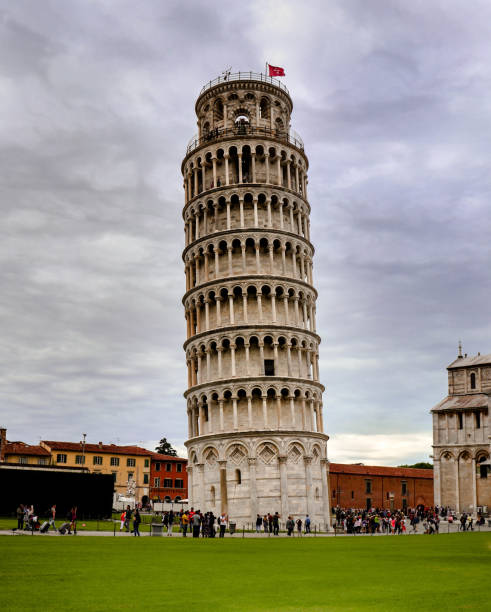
(393, 102)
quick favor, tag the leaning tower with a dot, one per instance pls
(254, 401)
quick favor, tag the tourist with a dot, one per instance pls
(52, 517)
(223, 524)
(259, 522)
(122, 518)
(170, 522)
(265, 523)
(290, 525)
(184, 523)
(127, 519)
(72, 515)
(20, 516)
(276, 524)
(196, 522)
(307, 524)
(136, 523)
(299, 526)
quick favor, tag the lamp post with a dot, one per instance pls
(84, 435)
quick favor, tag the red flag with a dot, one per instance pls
(275, 71)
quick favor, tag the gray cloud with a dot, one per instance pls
(97, 107)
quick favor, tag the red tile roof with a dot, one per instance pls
(159, 457)
(374, 470)
(21, 448)
(111, 449)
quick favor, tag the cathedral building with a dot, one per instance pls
(254, 399)
(461, 436)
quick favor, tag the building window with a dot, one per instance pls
(114, 461)
(404, 488)
(352, 495)
(334, 493)
(368, 486)
(179, 467)
(43, 461)
(97, 460)
(157, 466)
(461, 420)
(404, 504)
(60, 458)
(369, 503)
(473, 381)
(147, 462)
(130, 462)
(168, 483)
(483, 471)
(156, 482)
(145, 478)
(23, 460)
(179, 483)
(238, 477)
(130, 476)
(80, 459)
(115, 476)
(168, 467)
(478, 419)
(269, 367)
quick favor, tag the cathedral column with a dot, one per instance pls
(288, 176)
(201, 487)
(273, 307)
(457, 486)
(220, 410)
(289, 358)
(280, 174)
(278, 411)
(216, 250)
(219, 351)
(232, 359)
(228, 214)
(190, 424)
(258, 260)
(208, 365)
(280, 208)
(265, 411)
(259, 306)
(214, 161)
(268, 209)
(244, 261)
(290, 208)
(231, 308)
(227, 182)
(326, 506)
(230, 268)
(239, 155)
(283, 486)
(252, 488)
(256, 218)
(207, 314)
(218, 301)
(266, 163)
(235, 414)
(283, 260)
(241, 212)
(308, 483)
(244, 306)
(247, 345)
(292, 410)
(223, 487)
(285, 303)
(436, 482)
(253, 157)
(474, 487)
(249, 411)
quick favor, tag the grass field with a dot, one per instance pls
(446, 572)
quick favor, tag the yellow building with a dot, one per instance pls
(25, 454)
(129, 465)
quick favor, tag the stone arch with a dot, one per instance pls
(267, 452)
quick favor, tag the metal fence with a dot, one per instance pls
(244, 76)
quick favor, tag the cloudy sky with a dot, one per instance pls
(392, 100)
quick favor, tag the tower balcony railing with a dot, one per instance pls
(244, 76)
(245, 130)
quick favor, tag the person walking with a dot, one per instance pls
(223, 524)
(290, 526)
(52, 517)
(122, 518)
(136, 523)
(20, 516)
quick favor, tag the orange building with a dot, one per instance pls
(168, 478)
(368, 486)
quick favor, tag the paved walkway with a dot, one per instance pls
(444, 528)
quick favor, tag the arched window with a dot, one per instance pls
(238, 477)
(473, 381)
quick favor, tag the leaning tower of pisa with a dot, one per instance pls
(254, 401)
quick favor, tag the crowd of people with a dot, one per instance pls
(29, 520)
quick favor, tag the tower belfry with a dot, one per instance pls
(254, 401)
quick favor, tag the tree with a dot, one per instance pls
(422, 465)
(165, 448)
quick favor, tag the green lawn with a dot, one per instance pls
(446, 572)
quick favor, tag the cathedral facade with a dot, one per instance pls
(254, 400)
(461, 436)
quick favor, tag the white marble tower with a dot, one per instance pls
(254, 401)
